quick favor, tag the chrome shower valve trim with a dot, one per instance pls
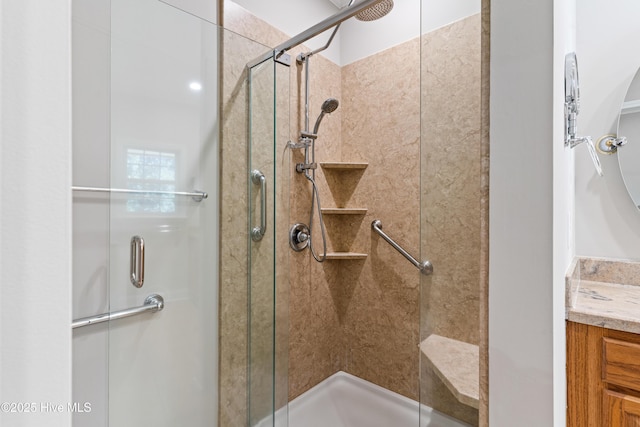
(299, 235)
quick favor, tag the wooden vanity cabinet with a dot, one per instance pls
(603, 377)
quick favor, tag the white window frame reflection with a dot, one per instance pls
(153, 170)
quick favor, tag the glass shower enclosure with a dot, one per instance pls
(166, 162)
(164, 117)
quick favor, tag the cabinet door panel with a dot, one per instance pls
(621, 410)
(621, 363)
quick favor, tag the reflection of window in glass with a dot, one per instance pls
(153, 171)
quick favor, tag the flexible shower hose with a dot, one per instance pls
(315, 196)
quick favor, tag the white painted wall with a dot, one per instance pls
(361, 39)
(564, 38)
(205, 9)
(35, 210)
(293, 17)
(607, 221)
(356, 39)
(530, 212)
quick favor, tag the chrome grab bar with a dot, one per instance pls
(197, 196)
(425, 266)
(257, 233)
(136, 264)
(152, 303)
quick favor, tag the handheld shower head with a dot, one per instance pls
(328, 107)
(376, 11)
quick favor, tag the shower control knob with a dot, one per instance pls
(299, 237)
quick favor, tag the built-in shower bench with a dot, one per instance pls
(457, 364)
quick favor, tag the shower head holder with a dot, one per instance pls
(308, 135)
(301, 167)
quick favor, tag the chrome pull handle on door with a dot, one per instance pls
(258, 178)
(137, 261)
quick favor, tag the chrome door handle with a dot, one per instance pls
(258, 178)
(137, 261)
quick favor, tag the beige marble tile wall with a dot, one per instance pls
(452, 195)
(233, 247)
(381, 126)
(485, 41)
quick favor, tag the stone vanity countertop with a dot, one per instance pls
(608, 305)
(605, 293)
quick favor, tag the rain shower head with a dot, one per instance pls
(376, 11)
(328, 107)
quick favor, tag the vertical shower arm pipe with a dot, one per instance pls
(306, 96)
(303, 58)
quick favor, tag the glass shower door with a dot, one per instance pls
(261, 244)
(163, 228)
